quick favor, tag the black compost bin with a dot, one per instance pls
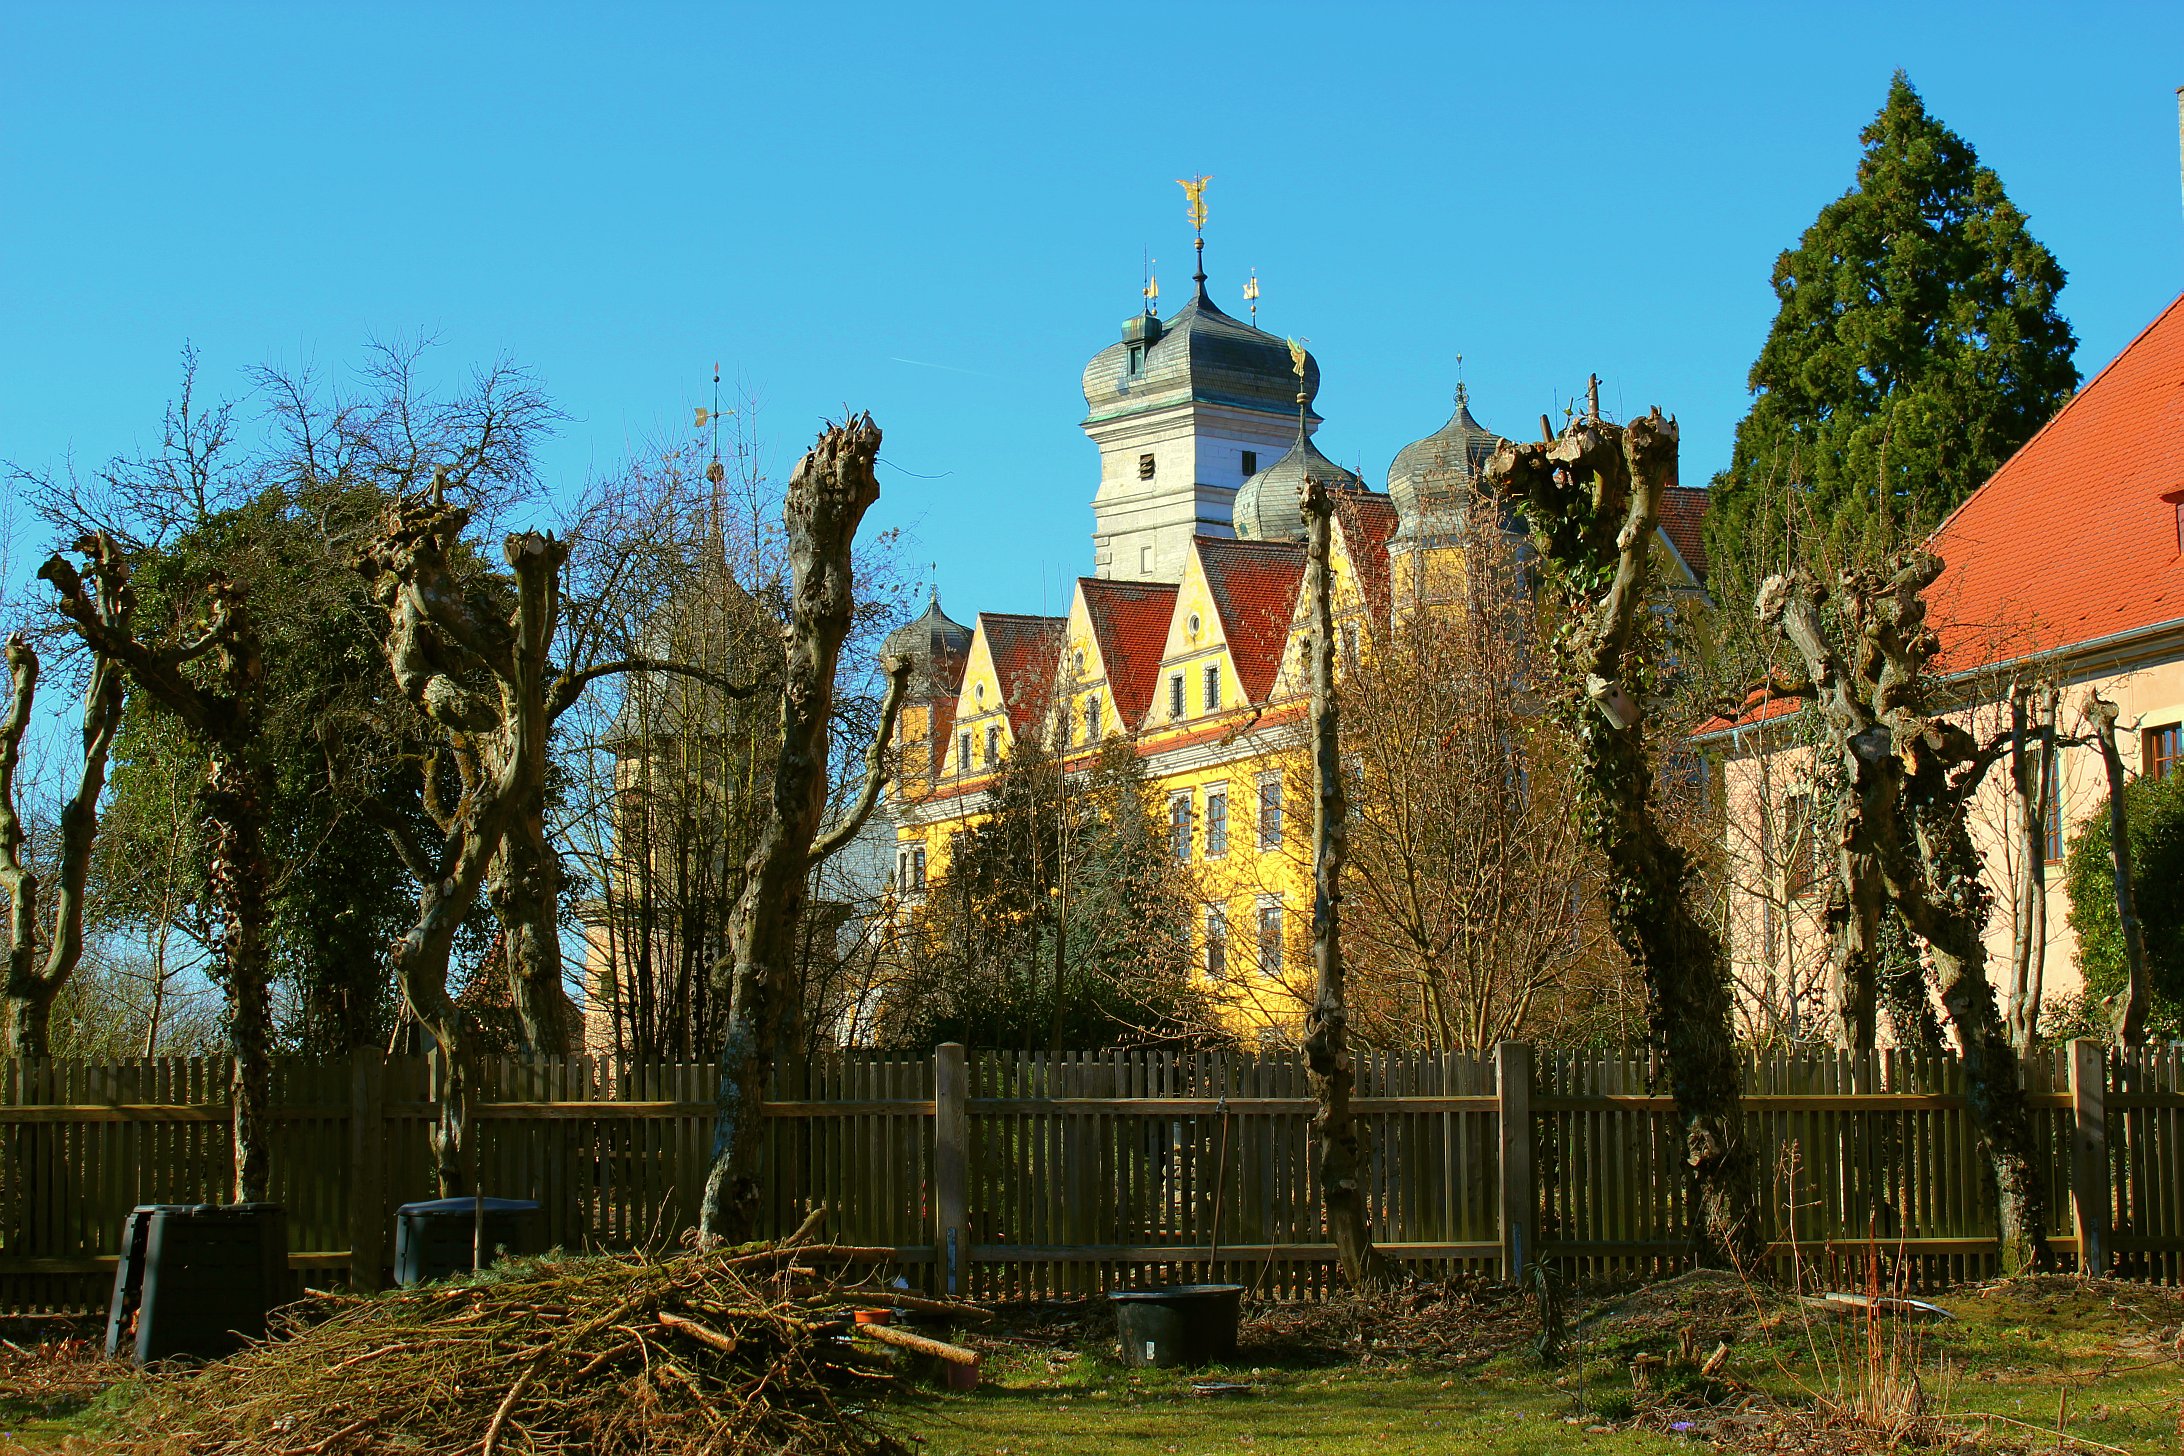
(1179, 1324)
(196, 1280)
(439, 1237)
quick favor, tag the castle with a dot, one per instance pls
(1186, 638)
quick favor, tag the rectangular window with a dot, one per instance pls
(1349, 645)
(2051, 810)
(1145, 467)
(963, 752)
(1179, 827)
(1270, 937)
(2162, 752)
(1175, 695)
(1270, 811)
(1213, 687)
(993, 745)
(1251, 463)
(902, 871)
(1216, 944)
(1145, 560)
(1137, 357)
(1216, 822)
(917, 868)
(1092, 719)
(1801, 866)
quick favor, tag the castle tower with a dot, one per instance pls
(1184, 411)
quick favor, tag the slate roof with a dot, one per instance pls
(1440, 471)
(1130, 624)
(1254, 586)
(1267, 506)
(2075, 538)
(1024, 652)
(937, 647)
(1683, 519)
(1202, 354)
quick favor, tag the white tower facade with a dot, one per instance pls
(1184, 411)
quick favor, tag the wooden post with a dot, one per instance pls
(951, 1170)
(1513, 1088)
(2089, 1182)
(367, 1168)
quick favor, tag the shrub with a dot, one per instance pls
(2154, 813)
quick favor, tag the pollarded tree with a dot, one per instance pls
(35, 979)
(211, 679)
(1917, 346)
(1906, 841)
(1592, 498)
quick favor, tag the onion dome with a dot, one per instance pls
(936, 647)
(1200, 355)
(1268, 507)
(1436, 476)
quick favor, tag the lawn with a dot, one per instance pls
(2038, 1365)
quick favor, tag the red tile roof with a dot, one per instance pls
(1130, 624)
(2075, 538)
(1024, 652)
(1368, 520)
(1254, 586)
(1683, 517)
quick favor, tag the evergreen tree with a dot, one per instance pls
(1917, 346)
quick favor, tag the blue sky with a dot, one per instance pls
(618, 195)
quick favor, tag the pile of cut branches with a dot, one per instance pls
(736, 1351)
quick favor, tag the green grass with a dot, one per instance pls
(1289, 1413)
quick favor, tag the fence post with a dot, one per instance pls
(2089, 1187)
(951, 1169)
(1513, 1091)
(367, 1164)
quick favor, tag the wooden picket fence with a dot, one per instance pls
(1006, 1175)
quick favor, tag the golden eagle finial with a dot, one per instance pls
(1296, 357)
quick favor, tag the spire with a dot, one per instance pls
(1195, 190)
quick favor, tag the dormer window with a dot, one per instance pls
(1251, 463)
(1145, 466)
(1137, 360)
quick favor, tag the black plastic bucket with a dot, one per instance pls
(1179, 1324)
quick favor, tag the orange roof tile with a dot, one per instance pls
(1254, 586)
(1130, 624)
(2075, 538)
(1368, 521)
(1683, 520)
(1024, 649)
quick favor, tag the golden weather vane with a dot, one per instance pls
(1251, 296)
(1296, 356)
(1195, 189)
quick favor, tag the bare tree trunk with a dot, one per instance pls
(2131, 1010)
(31, 988)
(441, 649)
(525, 890)
(1913, 776)
(1343, 1152)
(227, 719)
(2032, 773)
(1593, 499)
(827, 497)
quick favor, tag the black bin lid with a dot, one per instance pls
(449, 1207)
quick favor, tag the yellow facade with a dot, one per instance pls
(1228, 771)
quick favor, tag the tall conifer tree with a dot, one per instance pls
(1917, 346)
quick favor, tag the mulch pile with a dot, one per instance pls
(1436, 1325)
(742, 1351)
